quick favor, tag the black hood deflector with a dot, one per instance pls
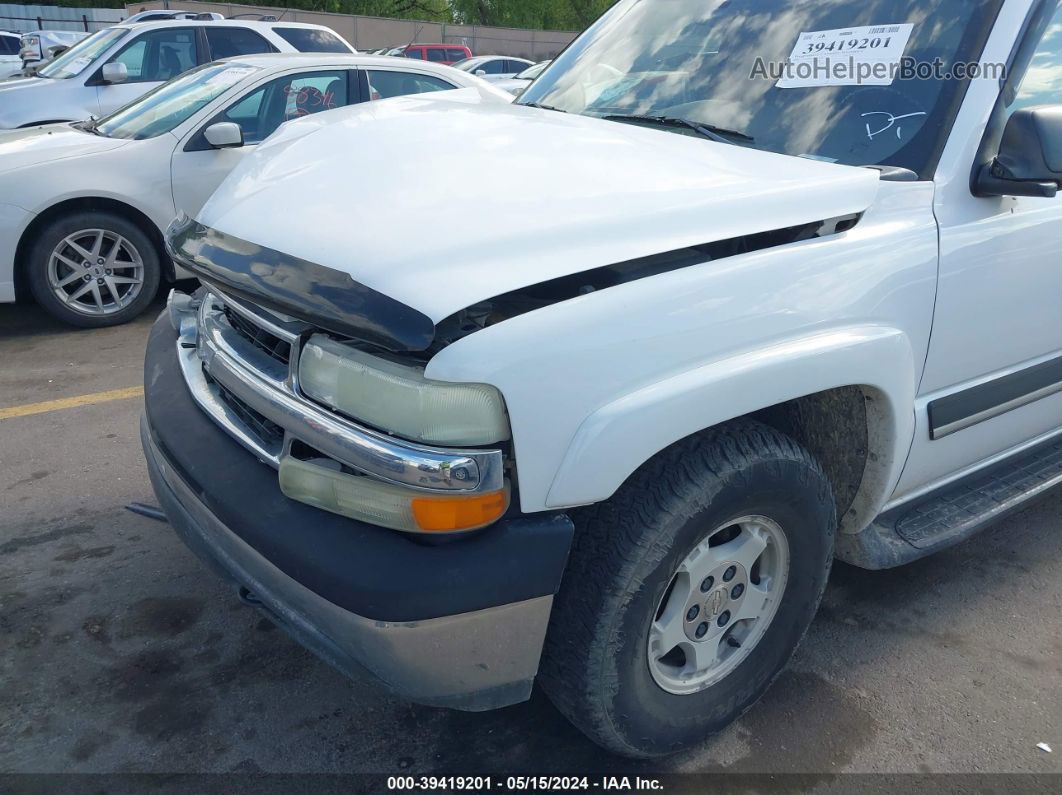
(284, 283)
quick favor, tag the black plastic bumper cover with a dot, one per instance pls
(373, 572)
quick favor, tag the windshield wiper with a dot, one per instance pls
(540, 107)
(710, 131)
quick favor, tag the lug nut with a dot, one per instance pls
(729, 574)
(99, 281)
(724, 618)
(86, 264)
(702, 629)
(707, 583)
(99, 261)
(107, 271)
(692, 613)
(736, 591)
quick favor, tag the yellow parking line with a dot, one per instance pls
(71, 402)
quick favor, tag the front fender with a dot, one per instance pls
(616, 439)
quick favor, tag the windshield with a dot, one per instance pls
(712, 63)
(171, 103)
(532, 71)
(81, 55)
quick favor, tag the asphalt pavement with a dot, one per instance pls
(121, 652)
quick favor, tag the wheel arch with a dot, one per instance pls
(86, 203)
(847, 395)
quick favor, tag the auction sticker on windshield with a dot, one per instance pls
(230, 76)
(866, 55)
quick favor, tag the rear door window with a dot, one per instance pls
(229, 42)
(456, 55)
(312, 40)
(386, 84)
(436, 54)
(496, 66)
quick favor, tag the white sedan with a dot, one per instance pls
(83, 205)
(493, 67)
(515, 85)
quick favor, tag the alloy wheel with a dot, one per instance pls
(95, 272)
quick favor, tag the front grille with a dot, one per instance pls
(268, 431)
(259, 337)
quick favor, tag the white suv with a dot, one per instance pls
(113, 67)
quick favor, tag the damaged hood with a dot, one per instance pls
(441, 201)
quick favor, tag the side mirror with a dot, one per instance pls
(481, 72)
(224, 135)
(114, 73)
(1029, 162)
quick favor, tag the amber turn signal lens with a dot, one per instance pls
(454, 514)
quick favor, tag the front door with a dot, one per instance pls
(993, 377)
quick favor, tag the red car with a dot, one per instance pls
(438, 53)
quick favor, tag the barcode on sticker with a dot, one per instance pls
(888, 29)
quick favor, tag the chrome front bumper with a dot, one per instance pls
(219, 362)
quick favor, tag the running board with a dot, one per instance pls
(956, 511)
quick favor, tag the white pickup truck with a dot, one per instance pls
(707, 331)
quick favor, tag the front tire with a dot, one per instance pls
(689, 590)
(93, 269)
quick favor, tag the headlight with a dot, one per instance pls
(369, 500)
(399, 399)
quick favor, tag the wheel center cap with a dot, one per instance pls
(716, 602)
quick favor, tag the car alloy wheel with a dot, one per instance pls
(95, 272)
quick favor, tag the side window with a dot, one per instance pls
(289, 97)
(1042, 83)
(493, 67)
(158, 55)
(415, 52)
(436, 54)
(312, 40)
(227, 42)
(456, 55)
(383, 85)
(9, 45)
